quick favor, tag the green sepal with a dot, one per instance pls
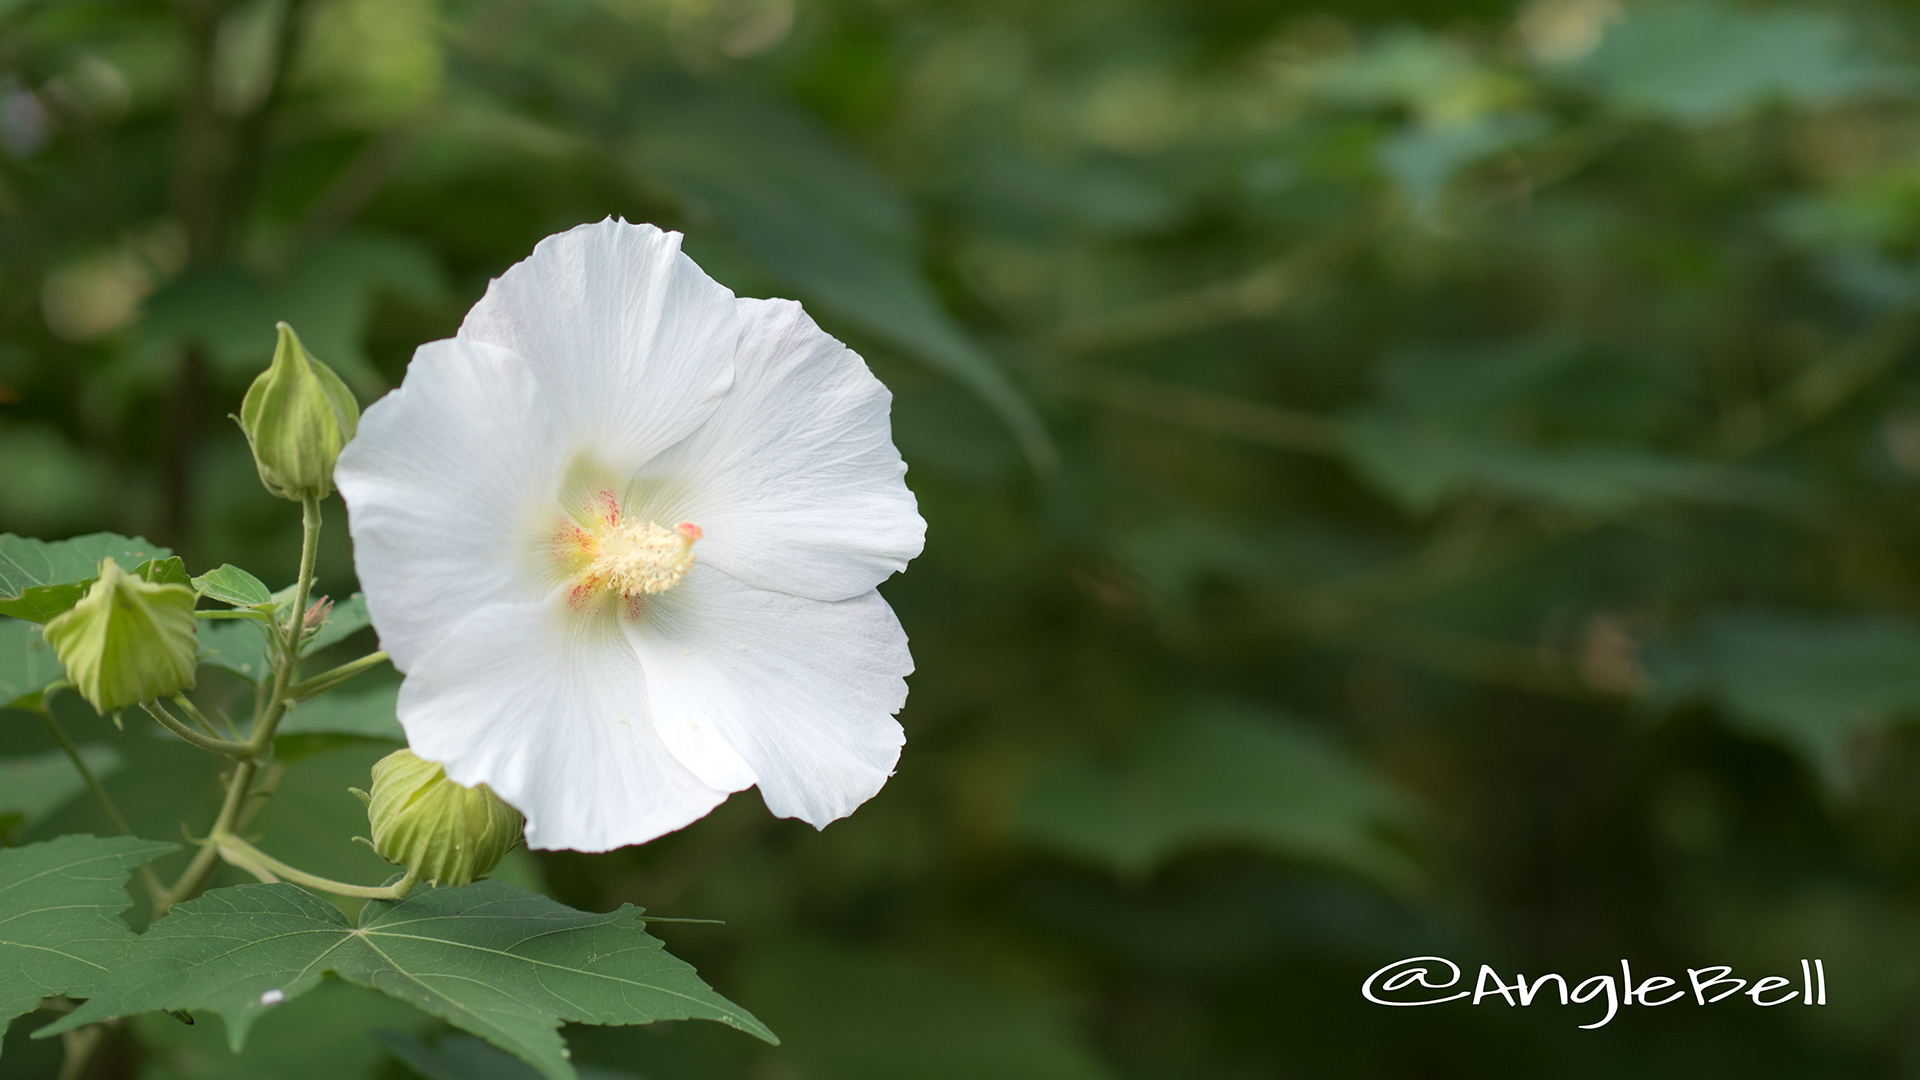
(297, 415)
(445, 834)
(128, 640)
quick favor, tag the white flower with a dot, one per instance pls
(622, 535)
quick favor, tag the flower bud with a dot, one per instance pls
(444, 833)
(297, 416)
(127, 641)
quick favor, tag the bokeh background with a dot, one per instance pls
(1403, 477)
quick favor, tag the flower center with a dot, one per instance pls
(633, 558)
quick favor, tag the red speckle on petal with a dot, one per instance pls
(610, 507)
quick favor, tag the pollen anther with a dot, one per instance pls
(633, 558)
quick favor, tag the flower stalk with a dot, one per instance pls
(327, 680)
(223, 842)
(269, 869)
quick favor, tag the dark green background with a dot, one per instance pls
(1402, 478)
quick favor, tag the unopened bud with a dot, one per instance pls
(316, 614)
(444, 833)
(127, 641)
(297, 416)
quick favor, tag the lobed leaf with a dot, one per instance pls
(60, 924)
(493, 960)
(39, 580)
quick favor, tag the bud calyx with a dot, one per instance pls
(297, 415)
(127, 641)
(443, 833)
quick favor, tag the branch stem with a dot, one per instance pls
(221, 839)
(194, 878)
(236, 750)
(267, 868)
(327, 680)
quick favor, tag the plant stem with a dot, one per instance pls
(59, 733)
(221, 839)
(195, 876)
(327, 680)
(167, 720)
(267, 868)
(193, 713)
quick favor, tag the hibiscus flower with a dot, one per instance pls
(622, 535)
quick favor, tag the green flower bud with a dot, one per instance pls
(297, 416)
(446, 834)
(127, 641)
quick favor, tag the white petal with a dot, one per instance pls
(551, 713)
(443, 482)
(802, 691)
(634, 342)
(795, 480)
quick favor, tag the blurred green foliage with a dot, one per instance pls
(1403, 478)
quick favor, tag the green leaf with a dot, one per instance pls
(1221, 776)
(60, 925)
(1422, 158)
(1698, 62)
(500, 963)
(1812, 684)
(333, 1033)
(231, 585)
(828, 226)
(27, 662)
(239, 645)
(168, 571)
(39, 580)
(32, 786)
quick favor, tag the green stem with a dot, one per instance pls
(193, 713)
(267, 868)
(194, 878)
(236, 750)
(59, 733)
(327, 680)
(288, 661)
(309, 548)
(247, 763)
